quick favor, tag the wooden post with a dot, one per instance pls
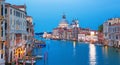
(16, 61)
(24, 60)
(32, 61)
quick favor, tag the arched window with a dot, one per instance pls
(116, 36)
(109, 24)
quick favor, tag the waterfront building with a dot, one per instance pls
(60, 32)
(55, 34)
(81, 37)
(73, 32)
(108, 28)
(75, 29)
(101, 38)
(105, 32)
(44, 34)
(30, 29)
(87, 35)
(47, 35)
(16, 31)
(2, 32)
(64, 35)
(30, 33)
(82, 34)
(66, 31)
(23, 8)
(94, 36)
(69, 34)
(114, 35)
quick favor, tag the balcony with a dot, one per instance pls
(19, 44)
(18, 31)
(2, 38)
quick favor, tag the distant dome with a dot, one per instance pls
(63, 23)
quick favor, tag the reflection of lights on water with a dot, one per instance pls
(74, 50)
(92, 54)
(74, 44)
(105, 50)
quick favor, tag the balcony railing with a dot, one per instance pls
(18, 31)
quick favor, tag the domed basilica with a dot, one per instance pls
(63, 23)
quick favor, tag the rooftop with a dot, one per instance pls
(116, 24)
(19, 6)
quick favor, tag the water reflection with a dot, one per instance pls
(74, 44)
(73, 53)
(105, 50)
(74, 49)
(92, 54)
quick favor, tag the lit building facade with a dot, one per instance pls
(114, 35)
(81, 37)
(69, 34)
(16, 31)
(55, 34)
(107, 27)
(86, 35)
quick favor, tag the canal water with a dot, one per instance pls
(76, 53)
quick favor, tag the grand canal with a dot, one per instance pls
(76, 53)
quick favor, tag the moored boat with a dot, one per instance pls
(39, 44)
(38, 57)
(28, 62)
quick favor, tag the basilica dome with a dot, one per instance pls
(63, 23)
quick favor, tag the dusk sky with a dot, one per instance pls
(90, 13)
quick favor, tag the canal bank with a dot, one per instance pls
(76, 53)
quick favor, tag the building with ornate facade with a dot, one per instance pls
(65, 31)
(73, 32)
(61, 30)
(16, 31)
(111, 32)
(114, 35)
(87, 35)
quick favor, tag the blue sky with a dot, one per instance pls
(90, 13)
